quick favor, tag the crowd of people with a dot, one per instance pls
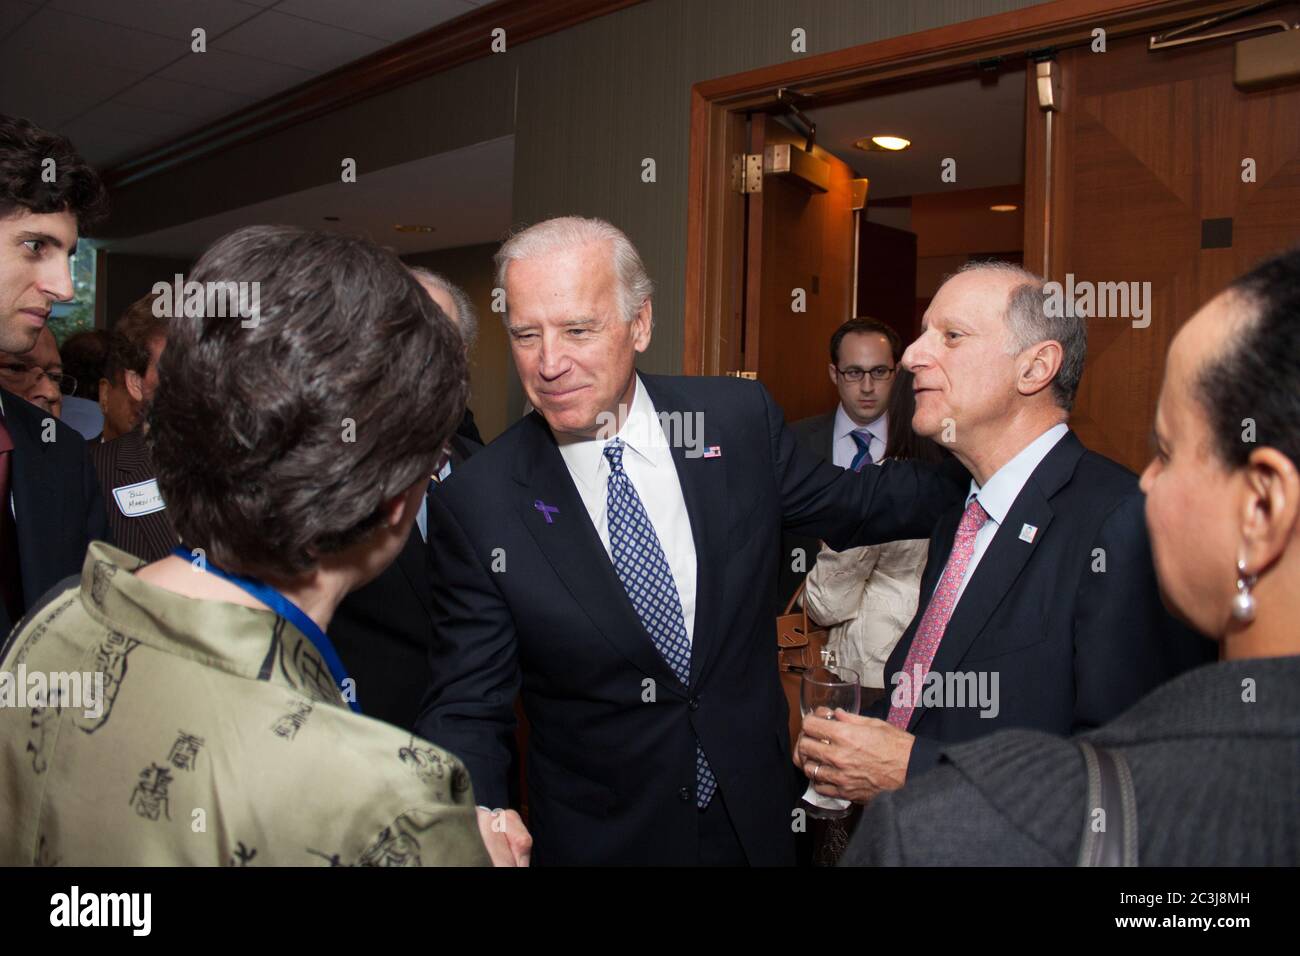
(307, 608)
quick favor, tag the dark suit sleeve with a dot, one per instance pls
(897, 500)
(944, 819)
(93, 495)
(1125, 643)
(469, 708)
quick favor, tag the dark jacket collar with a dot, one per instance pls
(1247, 698)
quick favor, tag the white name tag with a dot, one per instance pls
(142, 498)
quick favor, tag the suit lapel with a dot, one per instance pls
(704, 482)
(36, 486)
(1006, 557)
(574, 549)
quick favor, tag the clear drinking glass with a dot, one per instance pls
(824, 690)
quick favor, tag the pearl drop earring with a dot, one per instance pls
(1243, 603)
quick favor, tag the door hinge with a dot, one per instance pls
(747, 173)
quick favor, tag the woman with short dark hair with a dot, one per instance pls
(1204, 770)
(293, 441)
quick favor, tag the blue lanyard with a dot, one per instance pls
(291, 612)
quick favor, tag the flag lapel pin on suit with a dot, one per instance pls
(713, 451)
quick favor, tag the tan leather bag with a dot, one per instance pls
(799, 647)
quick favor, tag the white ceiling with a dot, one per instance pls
(118, 77)
(980, 125)
(465, 194)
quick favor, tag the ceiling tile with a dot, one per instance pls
(233, 73)
(302, 43)
(66, 37)
(168, 96)
(51, 97)
(158, 126)
(103, 146)
(45, 106)
(392, 20)
(173, 18)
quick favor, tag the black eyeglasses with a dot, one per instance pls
(29, 375)
(880, 373)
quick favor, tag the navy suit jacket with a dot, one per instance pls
(1070, 622)
(58, 507)
(520, 601)
(383, 630)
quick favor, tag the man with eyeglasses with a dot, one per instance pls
(37, 375)
(864, 358)
(50, 504)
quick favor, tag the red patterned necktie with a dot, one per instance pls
(11, 588)
(930, 632)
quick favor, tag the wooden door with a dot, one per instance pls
(799, 254)
(1146, 185)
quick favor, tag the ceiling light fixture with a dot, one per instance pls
(1004, 207)
(883, 143)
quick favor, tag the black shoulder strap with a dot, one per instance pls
(1110, 835)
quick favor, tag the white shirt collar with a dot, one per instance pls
(1004, 486)
(844, 425)
(641, 433)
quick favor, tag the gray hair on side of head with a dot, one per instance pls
(467, 318)
(568, 232)
(1029, 323)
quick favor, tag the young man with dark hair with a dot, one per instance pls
(50, 504)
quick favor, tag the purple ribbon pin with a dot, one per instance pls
(546, 510)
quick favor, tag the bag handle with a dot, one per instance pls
(1111, 839)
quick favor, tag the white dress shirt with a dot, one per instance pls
(844, 449)
(648, 462)
(1001, 491)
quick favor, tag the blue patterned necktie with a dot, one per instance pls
(642, 567)
(863, 457)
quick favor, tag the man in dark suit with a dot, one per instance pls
(864, 356)
(50, 505)
(137, 513)
(384, 630)
(1039, 605)
(613, 554)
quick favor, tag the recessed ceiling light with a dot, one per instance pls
(413, 228)
(890, 144)
(1004, 207)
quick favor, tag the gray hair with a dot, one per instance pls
(568, 232)
(467, 318)
(1028, 323)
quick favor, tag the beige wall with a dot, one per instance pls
(491, 368)
(592, 103)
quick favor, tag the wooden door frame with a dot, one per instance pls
(719, 108)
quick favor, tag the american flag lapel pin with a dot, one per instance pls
(1027, 533)
(713, 451)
